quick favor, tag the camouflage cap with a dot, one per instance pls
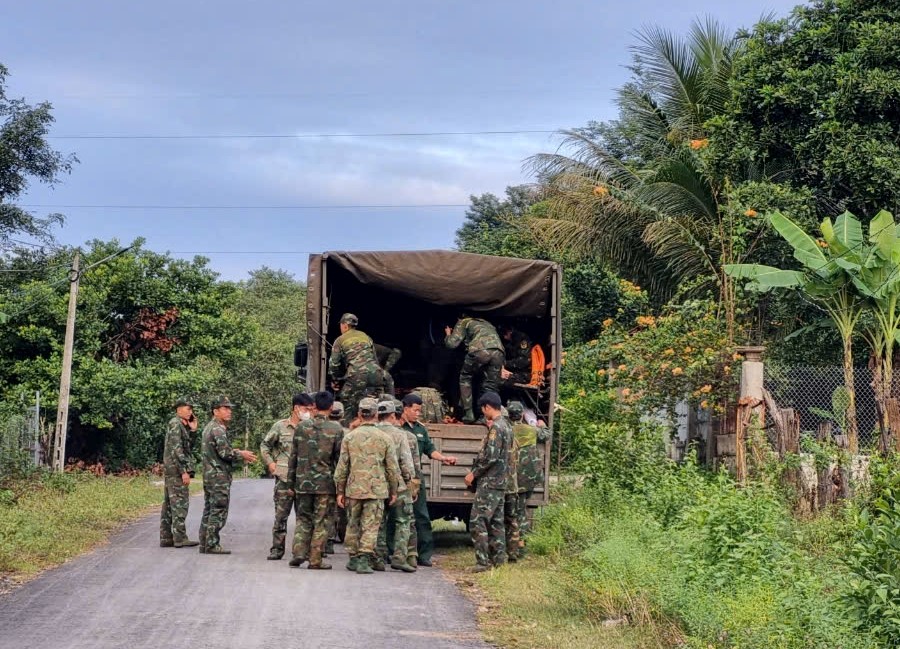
(399, 406)
(183, 401)
(223, 402)
(368, 405)
(337, 408)
(515, 408)
(385, 407)
(350, 319)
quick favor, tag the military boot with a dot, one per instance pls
(377, 563)
(405, 567)
(364, 564)
(167, 543)
(329, 547)
(187, 543)
(218, 549)
(316, 563)
(296, 562)
(412, 560)
(275, 556)
(351, 564)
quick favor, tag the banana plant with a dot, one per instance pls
(825, 280)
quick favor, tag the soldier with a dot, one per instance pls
(413, 443)
(490, 475)
(275, 451)
(529, 468)
(178, 469)
(354, 366)
(367, 473)
(517, 365)
(484, 353)
(412, 408)
(314, 455)
(387, 358)
(400, 514)
(219, 460)
(338, 516)
(511, 521)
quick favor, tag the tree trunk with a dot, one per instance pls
(850, 386)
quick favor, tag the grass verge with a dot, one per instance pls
(536, 604)
(46, 521)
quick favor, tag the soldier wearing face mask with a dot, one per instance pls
(275, 451)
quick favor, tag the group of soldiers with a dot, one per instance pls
(360, 367)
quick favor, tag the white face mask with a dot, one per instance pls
(304, 415)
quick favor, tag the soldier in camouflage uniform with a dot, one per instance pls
(275, 451)
(484, 353)
(490, 474)
(315, 450)
(354, 366)
(413, 443)
(529, 467)
(387, 358)
(367, 473)
(178, 468)
(398, 516)
(219, 459)
(517, 365)
(338, 515)
(511, 518)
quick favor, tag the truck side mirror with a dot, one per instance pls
(301, 356)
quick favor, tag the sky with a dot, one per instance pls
(309, 70)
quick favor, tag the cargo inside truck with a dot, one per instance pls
(404, 300)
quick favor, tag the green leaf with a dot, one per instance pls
(766, 276)
(883, 233)
(806, 251)
(848, 231)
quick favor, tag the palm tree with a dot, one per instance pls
(654, 212)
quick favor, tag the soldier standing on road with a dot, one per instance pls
(275, 451)
(367, 473)
(338, 515)
(178, 468)
(490, 474)
(314, 455)
(412, 409)
(354, 366)
(398, 516)
(484, 353)
(529, 467)
(219, 460)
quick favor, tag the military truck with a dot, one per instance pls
(404, 300)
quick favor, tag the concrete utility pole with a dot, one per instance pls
(65, 379)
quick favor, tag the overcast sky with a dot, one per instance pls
(191, 68)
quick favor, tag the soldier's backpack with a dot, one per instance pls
(433, 408)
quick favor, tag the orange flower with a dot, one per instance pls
(646, 321)
(822, 244)
(706, 389)
(582, 393)
(623, 367)
(737, 357)
(677, 371)
(688, 350)
(751, 213)
(669, 352)
(601, 372)
(699, 144)
(608, 322)
(704, 404)
(592, 343)
(626, 392)
(600, 190)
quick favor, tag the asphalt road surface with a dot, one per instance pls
(132, 593)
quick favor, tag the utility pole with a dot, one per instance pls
(65, 379)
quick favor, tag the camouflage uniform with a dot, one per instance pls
(219, 459)
(354, 362)
(530, 466)
(338, 515)
(491, 470)
(511, 521)
(314, 454)
(484, 352)
(518, 358)
(424, 536)
(276, 447)
(399, 515)
(387, 358)
(176, 461)
(367, 473)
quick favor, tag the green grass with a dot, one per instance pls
(44, 522)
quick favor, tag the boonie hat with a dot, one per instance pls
(515, 408)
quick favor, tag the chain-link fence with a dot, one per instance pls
(20, 439)
(816, 394)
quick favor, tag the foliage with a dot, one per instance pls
(25, 154)
(814, 99)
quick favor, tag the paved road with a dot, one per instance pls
(132, 593)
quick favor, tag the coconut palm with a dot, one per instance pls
(655, 212)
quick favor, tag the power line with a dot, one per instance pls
(249, 207)
(297, 136)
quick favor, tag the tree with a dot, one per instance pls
(25, 155)
(815, 97)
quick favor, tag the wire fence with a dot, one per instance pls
(20, 440)
(816, 394)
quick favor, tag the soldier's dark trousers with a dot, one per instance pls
(486, 526)
(356, 387)
(363, 522)
(311, 530)
(489, 361)
(393, 538)
(284, 502)
(424, 537)
(174, 511)
(511, 523)
(216, 497)
(522, 508)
